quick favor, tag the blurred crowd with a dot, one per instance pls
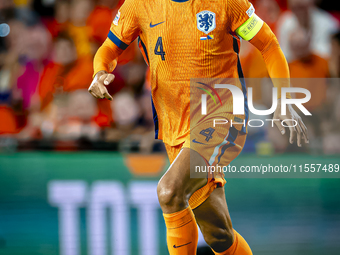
(46, 53)
(46, 68)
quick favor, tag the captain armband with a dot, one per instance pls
(250, 28)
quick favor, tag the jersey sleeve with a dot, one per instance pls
(125, 26)
(243, 20)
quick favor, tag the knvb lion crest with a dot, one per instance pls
(206, 21)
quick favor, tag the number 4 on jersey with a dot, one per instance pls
(159, 45)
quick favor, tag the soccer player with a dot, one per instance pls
(183, 39)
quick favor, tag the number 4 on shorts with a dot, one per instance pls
(207, 133)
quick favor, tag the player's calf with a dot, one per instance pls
(214, 221)
(219, 239)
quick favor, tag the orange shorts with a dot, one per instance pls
(218, 146)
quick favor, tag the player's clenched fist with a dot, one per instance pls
(100, 80)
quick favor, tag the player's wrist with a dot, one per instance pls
(100, 73)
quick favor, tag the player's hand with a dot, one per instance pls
(97, 88)
(299, 131)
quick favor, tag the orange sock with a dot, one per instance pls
(239, 247)
(182, 232)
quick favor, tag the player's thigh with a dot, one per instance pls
(177, 180)
(214, 220)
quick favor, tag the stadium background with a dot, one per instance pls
(78, 175)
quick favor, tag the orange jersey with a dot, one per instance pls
(180, 40)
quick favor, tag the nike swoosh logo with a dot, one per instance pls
(156, 24)
(197, 141)
(180, 245)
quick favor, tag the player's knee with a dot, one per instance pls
(220, 239)
(170, 196)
